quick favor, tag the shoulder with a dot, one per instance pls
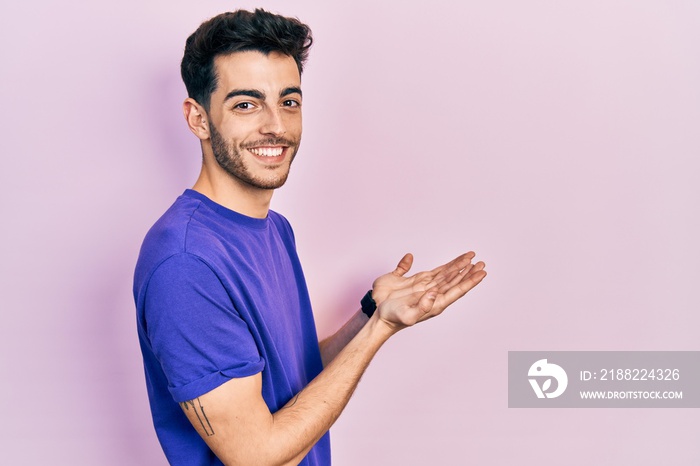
(168, 235)
(172, 236)
(281, 224)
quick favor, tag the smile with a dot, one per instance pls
(267, 151)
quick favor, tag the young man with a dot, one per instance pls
(234, 369)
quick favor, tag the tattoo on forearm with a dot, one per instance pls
(199, 412)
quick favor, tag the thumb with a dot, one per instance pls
(404, 265)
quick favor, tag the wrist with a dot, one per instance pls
(380, 328)
(368, 304)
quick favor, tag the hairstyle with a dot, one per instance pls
(239, 31)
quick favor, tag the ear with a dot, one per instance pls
(196, 118)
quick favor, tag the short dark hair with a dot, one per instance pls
(239, 31)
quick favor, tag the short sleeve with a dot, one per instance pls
(194, 329)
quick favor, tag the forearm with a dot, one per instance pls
(332, 345)
(314, 410)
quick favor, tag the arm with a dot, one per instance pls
(239, 427)
(331, 346)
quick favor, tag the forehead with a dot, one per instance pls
(255, 70)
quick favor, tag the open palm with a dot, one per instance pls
(403, 301)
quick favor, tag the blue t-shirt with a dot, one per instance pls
(221, 295)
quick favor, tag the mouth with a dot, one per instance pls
(269, 155)
(267, 151)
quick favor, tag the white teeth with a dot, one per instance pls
(267, 151)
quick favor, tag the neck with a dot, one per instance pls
(232, 193)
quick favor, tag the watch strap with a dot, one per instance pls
(368, 304)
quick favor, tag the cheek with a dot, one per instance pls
(236, 132)
(293, 123)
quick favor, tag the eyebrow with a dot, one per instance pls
(255, 94)
(247, 92)
(291, 90)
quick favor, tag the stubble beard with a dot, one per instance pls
(229, 157)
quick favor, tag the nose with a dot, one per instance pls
(273, 122)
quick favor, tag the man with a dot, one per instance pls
(234, 369)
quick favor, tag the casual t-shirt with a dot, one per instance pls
(221, 295)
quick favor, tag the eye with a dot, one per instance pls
(243, 106)
(291, 103)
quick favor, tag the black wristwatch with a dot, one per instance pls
(368, 304)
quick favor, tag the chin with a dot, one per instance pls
(262, 183)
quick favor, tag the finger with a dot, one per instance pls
(460, 289)
(404, 265)
(458, 262)
(460, 276)
(460, 280)
(442, 275)
(448, 271)
(459, 266)
(455, 273)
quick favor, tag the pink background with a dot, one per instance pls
(559, 140)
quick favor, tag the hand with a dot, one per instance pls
(384, 285)
(403, 301)
(396, 280)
